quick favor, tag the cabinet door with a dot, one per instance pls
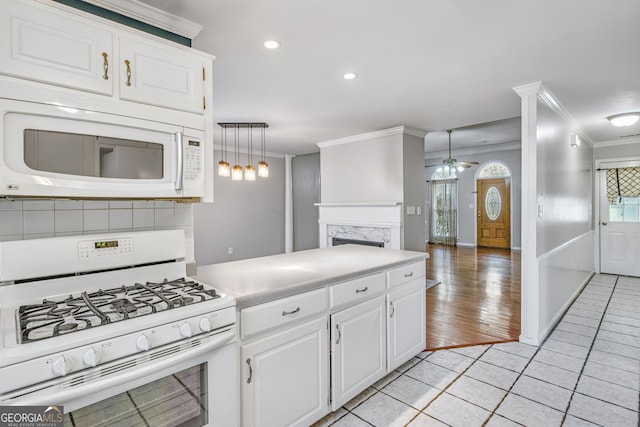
(406, 323)
(285, 377)
(160, 75)
(358, 349)
(52, 47)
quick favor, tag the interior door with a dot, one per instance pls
(494, 213)
(619, 229)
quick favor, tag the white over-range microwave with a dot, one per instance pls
(57, 151)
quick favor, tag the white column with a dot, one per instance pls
(288, 204)
(530, 286)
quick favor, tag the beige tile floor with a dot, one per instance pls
(586, 373)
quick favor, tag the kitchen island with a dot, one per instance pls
(317, 327)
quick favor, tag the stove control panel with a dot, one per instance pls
(92, 355)
(90, 249)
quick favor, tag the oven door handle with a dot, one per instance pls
(139, 371)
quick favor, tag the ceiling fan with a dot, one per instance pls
(451, 165)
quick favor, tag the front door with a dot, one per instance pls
(494, 213)
(620, 219)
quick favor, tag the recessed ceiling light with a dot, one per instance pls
(625, 119)
(271, 44)
(350, 76)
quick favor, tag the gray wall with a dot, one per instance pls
(622, 151)
(247, 216)
(305, 172)
(413, 179)
(467, 196)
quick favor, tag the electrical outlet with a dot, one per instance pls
(230, 250)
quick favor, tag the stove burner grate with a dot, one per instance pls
(92, 309)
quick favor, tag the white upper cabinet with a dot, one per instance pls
(53, 48)
(50, 45)
(154, 74)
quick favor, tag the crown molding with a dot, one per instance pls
(398, 130)
(614, 142)
(434, 155)
(544, 95)
(150, 15)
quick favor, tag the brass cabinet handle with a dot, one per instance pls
(286, 313)
(250, 371)
(365, 289)
(128, 64)
(105, 60)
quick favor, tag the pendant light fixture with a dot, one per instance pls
(249, 170)
(236, 172)
(263, 166)
(224, 169)
(248, 173)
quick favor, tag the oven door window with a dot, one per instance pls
(176, 400)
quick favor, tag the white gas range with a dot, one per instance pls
(110, 327)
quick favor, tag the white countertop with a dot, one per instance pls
(256, 280)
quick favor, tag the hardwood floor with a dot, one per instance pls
(478, 301)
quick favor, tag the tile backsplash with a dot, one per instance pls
(34, 219)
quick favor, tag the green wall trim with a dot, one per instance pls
(130, 22)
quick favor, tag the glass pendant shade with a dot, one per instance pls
(236, 173)
(263, 169)
(224, 169)
(249, 173)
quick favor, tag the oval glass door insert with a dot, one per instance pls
(493, 203)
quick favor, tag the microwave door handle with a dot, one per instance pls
(179, 160)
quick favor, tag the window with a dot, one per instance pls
(623, 194)
(493, 170)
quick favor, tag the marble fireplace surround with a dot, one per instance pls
(374, 222)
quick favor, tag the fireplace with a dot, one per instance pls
(365, 223)
(337, 241)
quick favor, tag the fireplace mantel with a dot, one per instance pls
(381, 221)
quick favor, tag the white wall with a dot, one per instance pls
(363, 171)
(245, 216)
(467, 212)
(557, 238)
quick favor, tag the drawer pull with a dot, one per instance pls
(287, 313)
(339, 334)
(365, 289)
(250, 371)
(408, 275)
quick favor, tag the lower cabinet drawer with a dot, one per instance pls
(280, 312)
(406, 273)
(356, 290)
